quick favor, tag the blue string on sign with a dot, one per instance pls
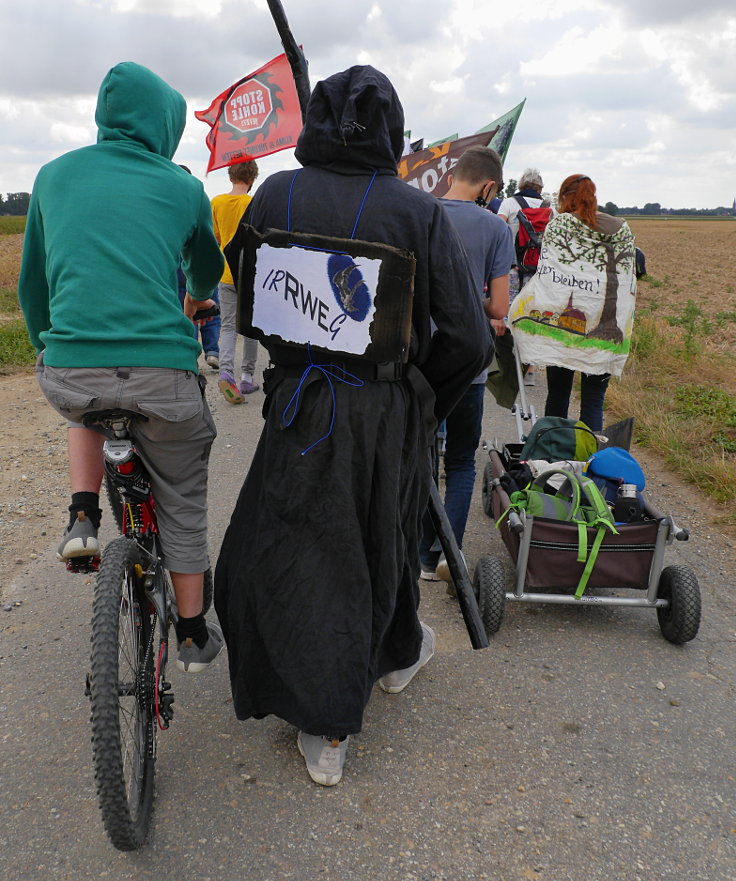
(360, 210)
(330, 372)
(288, 204)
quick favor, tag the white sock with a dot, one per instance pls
(246, 377)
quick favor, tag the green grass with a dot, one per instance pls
(8, 301)
(690, 424)
(10, 226)
(15, 347)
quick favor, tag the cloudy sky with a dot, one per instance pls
(639, 94)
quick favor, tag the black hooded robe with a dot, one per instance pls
(316, 582)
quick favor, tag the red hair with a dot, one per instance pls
(577, 196)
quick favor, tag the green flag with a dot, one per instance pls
(428, 169)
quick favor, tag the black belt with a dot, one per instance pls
(370, 371)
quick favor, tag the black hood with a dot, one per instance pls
(354, 123)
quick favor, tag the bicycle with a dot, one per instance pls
(133, 609)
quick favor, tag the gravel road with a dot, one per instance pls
(580, 746)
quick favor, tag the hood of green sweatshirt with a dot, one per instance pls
(134, 104)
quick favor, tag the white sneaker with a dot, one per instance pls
(428, 575)
(325, 757)
(397, 681)
(443, 570)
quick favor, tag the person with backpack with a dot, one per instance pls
(527, 208)
(527, 214)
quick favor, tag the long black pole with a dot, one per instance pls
(294, 54)
(458, 570)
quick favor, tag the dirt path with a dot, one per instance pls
(580, 746)
(33, 482)
(33, 479)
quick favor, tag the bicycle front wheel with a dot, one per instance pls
(122, 695)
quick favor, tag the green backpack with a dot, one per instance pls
(556, 438)
(577, 501)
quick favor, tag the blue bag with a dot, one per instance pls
(613, 466)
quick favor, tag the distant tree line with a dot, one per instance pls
(649, 209)
(15, 204)
(655, 208)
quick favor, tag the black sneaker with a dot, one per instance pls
(79, 539)
(193, 659)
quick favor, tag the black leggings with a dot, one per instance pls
(592, 392)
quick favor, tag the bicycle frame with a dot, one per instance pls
(133, 610)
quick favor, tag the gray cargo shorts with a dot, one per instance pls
(174, 442)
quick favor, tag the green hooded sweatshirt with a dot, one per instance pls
(107, 226)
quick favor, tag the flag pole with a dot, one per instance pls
(294, 54)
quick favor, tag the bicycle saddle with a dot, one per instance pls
(108, 417)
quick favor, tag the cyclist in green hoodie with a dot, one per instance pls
(107, 226)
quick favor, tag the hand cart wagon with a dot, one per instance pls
(545, 553)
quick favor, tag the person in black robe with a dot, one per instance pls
(316, 585)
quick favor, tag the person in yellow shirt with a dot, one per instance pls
(227, 209)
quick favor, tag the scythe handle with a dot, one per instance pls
(458, 570)
(294, 54)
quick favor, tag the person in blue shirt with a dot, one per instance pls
(486, 238)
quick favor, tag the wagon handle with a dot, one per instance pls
(678, 532)
(515, 524)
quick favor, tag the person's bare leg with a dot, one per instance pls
(199, 642)
(188, 591)
(86, 467)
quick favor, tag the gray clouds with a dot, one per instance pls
(636, 93)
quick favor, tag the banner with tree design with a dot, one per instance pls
(578, 310)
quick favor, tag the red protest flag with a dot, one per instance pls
(256, 116)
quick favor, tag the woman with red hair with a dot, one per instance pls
(576, 313)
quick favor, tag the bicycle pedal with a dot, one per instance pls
(83, 564)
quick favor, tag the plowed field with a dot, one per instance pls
(689, 259)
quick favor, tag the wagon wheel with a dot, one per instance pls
(680, 620)
(489, 586)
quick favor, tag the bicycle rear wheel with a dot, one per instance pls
(122, 694)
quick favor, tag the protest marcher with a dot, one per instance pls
(317, 581)
(530, 190)
(529, 195)
(476, 177)
(107, 226)
(207, 332)
(227, 209)
(577, 311)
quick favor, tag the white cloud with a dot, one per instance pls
(175, 8)
(71, 135)
(578, 51)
